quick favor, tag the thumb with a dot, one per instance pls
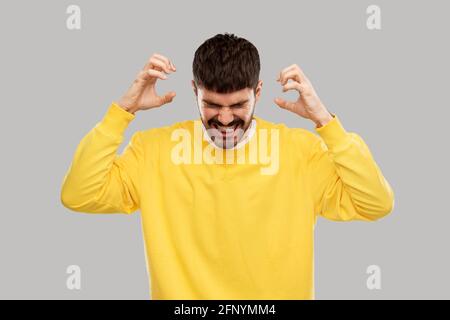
(283, 103)
(167, 98)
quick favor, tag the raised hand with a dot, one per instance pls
(142, 93)
(308, 104)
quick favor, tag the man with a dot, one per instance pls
(228, 202)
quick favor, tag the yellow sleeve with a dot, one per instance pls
(346, 182)
(99, 180)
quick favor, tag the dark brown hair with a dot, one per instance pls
(226, 63)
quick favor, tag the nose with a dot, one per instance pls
(225, 116)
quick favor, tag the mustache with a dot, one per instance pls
(231, 124)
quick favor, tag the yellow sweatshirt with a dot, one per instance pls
(216, 229)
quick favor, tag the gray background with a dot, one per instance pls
(389, 86)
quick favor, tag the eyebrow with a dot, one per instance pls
(235, 104)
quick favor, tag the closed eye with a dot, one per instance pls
(238, 105)
(211, 105)
(234, 106)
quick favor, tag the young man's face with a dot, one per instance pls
(227, 115)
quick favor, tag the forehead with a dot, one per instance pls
(232, 97)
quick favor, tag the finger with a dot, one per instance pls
(161, 65)
(167, 66)
(166, 60)
(156, 74)
(284, 104)
(294, 85)
(282, 72)
(292, 74)
(173, 66)
(303, 78)
(167, 98)
(144, 76)
(301, 75)
(285, 70)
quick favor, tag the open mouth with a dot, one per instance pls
(228, 131)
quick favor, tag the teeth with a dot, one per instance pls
(225, 128)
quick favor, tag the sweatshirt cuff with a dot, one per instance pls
(333, 133)
(116, 120)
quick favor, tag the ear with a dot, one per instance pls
(258, 89)
(194, 87)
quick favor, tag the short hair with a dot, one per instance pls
(226, 63)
